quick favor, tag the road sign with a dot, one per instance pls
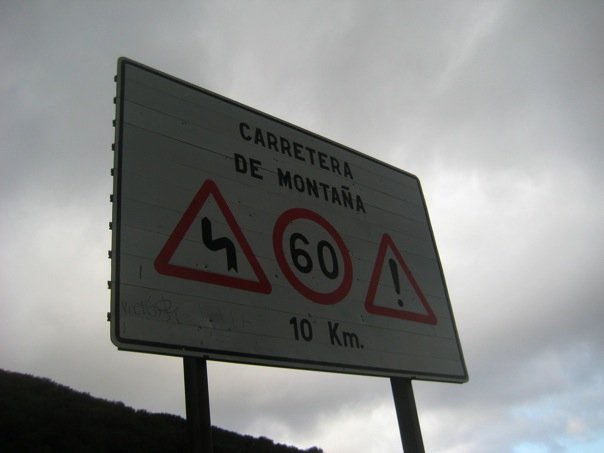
(240, 237)
(182, 237)
(302, 261)
(421, 312)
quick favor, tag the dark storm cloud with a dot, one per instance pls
(530, 90)
(58, 84)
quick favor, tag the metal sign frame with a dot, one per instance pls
(228, 222)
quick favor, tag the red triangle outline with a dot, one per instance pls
(162, 262)
(429, 318)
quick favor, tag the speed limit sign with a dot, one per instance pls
(315, 259)
(238, 236)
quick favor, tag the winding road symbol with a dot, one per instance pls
(218, 244)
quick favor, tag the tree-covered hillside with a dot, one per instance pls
(38, 415)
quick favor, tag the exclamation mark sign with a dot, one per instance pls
(394, 272)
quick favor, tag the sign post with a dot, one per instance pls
(197, 402)
(406, 414)
(240, 237)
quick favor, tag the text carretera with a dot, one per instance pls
(340, 194)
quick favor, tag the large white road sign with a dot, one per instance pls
(240, 237)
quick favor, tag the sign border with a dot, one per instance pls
(231, 356)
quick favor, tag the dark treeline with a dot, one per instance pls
(38, 415)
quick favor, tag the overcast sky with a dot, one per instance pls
(498, 108)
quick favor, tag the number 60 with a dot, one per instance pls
(303, 261)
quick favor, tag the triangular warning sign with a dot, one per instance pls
(413, 306)
(214, 245)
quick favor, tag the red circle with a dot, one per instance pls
(321, 298)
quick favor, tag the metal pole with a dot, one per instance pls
(197, 401)
(406, 413)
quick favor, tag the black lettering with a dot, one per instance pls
(243, 128)
(285, 147)
(298, 151)
(313, 188)
(347, 171)
(347, 197)
(321, 247)
(333, 333)
(272, 141)
(311, 185)
(304, 330)
(360, 206)
(335, 196)
(323, 161)
(259, 138)
(300, 257)
(240, 164)
(285, 179)
(311, 154)
(343, 338)
(255, 168)
(351, 340)
(335, 165)
(299, 183)
(325, 193)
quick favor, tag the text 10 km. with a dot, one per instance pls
(303, 331)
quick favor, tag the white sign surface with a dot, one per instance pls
(240, 237)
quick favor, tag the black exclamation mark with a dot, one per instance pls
(394, 272)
